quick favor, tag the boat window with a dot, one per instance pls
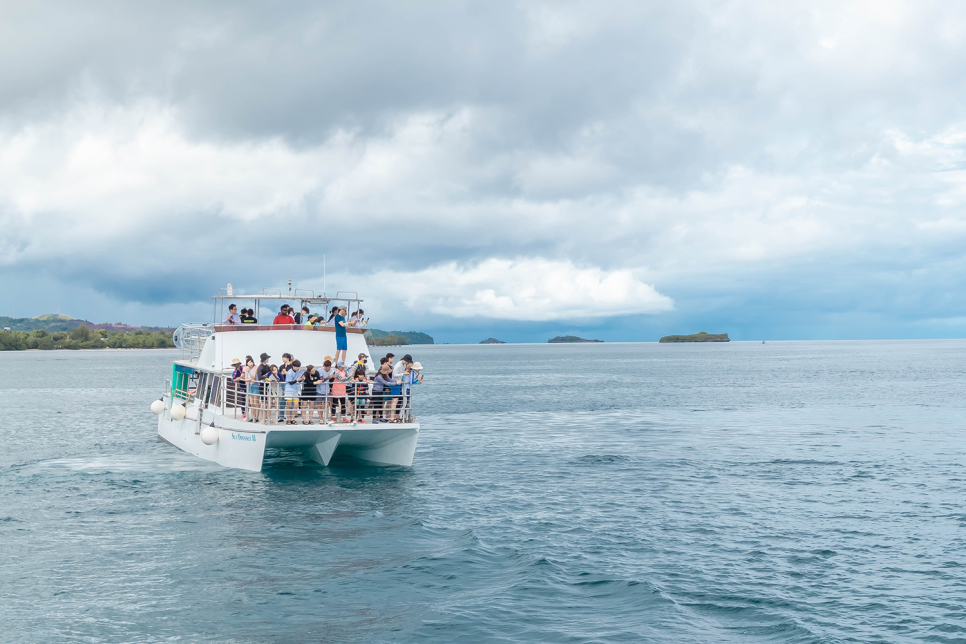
(183, 381)
(201, 389)
(214, 392)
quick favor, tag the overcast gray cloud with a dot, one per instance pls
(646, 159)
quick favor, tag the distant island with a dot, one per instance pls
(54, 322)
(56, 331)
(569, 339)
(380, 338)
(492, 341)
(697, 337)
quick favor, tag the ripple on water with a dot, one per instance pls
(789, 492)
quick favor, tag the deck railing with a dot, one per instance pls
(266, 403)
(190, 338)
(221, 328)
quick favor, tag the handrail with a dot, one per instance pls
(315, 299)
(220, 328)
(268, 403)
(305, 290)
(271, 406)
(190, 338)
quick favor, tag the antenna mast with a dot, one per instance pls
(323, 274)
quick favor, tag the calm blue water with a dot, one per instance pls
(788, 492)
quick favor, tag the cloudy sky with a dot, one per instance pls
(622, 170)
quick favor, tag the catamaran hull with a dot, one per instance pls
(242, 445)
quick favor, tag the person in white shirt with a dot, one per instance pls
(358, 318)
(400, 368)
(232, 317)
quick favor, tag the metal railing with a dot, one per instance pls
(190, 338)
(267, 403)
(276, 296)
(258, 326)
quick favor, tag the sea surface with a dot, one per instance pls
(741, 492)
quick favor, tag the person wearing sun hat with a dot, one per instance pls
(400, 368)
(410, 377)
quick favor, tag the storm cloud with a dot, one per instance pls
(789, 170)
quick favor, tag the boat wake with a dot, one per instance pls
(162, 462)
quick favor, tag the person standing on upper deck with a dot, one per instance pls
(341, 340)
(283, 317)
(302, 315)
(358, 318)
(232, 317)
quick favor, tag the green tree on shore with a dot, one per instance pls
(84, 338)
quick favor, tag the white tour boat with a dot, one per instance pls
(203, 412)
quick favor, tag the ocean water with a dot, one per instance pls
(786, 492)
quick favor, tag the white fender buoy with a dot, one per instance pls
(209, 435)
(157, 407)
(177, 412)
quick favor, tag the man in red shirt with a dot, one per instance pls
(283, 317)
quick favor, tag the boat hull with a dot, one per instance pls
(242, 445)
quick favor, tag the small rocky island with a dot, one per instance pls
(492, 341)
(697, 337)
(570, 338)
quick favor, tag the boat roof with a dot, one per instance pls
(307, 297)
(302, 294)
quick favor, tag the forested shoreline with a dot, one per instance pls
(84, 338)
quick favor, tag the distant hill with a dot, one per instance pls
(81, 337)
(50, 323)
(386, 341)
(697, 337)
(569, 339)
(412, 337)
(53, 323)
(492, 341)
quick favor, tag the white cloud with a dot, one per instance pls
(523, 289)
(120, 163)
(706, 142)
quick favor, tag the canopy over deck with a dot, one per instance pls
(305, 297)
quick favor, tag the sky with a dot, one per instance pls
(615, 170)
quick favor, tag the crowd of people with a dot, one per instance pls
(287, 316)
(273, 394)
